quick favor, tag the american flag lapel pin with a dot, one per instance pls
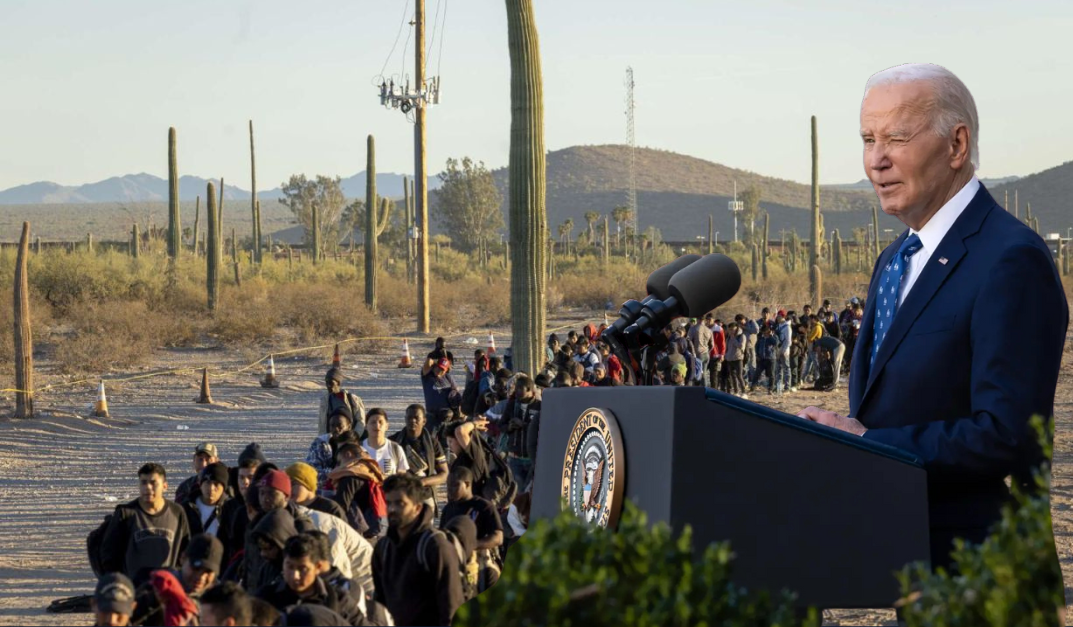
(942, 260)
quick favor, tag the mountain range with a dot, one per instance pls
(149, 188)
(675, 193)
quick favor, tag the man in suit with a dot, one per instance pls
(936, 370)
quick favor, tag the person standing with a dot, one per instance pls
(735, 355)
(924, 378)
(424, 454)
(703, 342)
(204, 454)
(337, 398)
(389, 455)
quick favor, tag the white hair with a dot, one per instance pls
(953, 103)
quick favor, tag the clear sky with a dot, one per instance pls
(89, 89)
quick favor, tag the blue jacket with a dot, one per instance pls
(952, 383)
(766, 347)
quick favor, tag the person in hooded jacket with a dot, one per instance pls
(301, 584)
(233, 518)
(337, 397)
(357, 482)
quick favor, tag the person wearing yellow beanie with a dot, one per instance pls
(304, 490)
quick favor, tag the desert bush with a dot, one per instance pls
(247, 315)
(115, 334)
(565, 572)
(1012, 578)
(324, 313)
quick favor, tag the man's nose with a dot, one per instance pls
(876, 158)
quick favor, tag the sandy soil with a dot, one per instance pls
(63, 472)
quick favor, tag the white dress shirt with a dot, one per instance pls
(934, 232)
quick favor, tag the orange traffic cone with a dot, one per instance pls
(270, 380)
(405, 361)
(491, 344)
(100, 409)
(206, 396)
(337, 361)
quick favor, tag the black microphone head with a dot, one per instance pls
(658, 280)
(706, 284)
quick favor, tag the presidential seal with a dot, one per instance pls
(594, 476)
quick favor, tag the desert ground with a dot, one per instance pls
(63, 471)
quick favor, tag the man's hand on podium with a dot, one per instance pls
(831, 419)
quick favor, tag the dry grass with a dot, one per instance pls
(105, 311)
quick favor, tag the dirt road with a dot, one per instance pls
(62, 473)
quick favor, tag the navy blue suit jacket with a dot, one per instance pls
(972, 353)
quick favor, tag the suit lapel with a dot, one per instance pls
(952, 248)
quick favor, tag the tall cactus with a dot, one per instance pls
(816, 278)
(315, 253)
(213, 247)
(175, 228)
(135, 242)
(837, 253)
(197, 223)
(817, 228)
(255, 209)
(220, 207)
(376, 219)
(1016, 206)
(23, 337)
(875, 233)
(711, 234)
(89, 243)
(234, 258)
(607, 240)
(528, 183)
(756, 260)
(1065, 257)
(767, 233)
(763, 265)
(375, 223)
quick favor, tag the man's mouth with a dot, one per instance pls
(885, 186)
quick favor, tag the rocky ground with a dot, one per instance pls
(62, 472)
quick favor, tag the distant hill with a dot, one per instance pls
(149, 188)
(1050, 193)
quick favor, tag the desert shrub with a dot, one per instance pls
(1013, 578)
(565, 572)
(324, 313)
(246, 315)
(108, 335)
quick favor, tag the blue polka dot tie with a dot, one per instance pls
(890, 284)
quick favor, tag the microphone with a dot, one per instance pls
(657, 288)
(694, 290)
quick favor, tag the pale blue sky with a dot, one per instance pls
(89, 89)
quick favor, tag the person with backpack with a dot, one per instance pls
(145, 534)
(415, 566)
(205, 507)
(201, 564)
(337, 397)
(492, 476)
(424, 454)
(463, 502)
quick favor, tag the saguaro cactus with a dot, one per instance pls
(817, 228)
(815, 278)
(315, 253)
(175, 227)
(255, 209)
(234, 258)
(875, 233)
(528, 181)
(24, 345)
(197, 224)
(1065, 257)
(375, 223)
(212, 249)
(756, 260)
(767, 233)
(837, 253)
(376, 219)
(711, 234)
(763, 265)
(607, 240)
(135, 242)
(89, 243)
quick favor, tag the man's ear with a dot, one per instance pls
(960, 150)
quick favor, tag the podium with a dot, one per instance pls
(811, 509)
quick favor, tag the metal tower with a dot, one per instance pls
(631, 198)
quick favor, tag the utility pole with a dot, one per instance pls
(632, 143)
(736, 206)
(421, 173)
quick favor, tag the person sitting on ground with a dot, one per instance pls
(424, 455)
(552, 349)
(321, 454)
(204, 509)
(612, 363)
(302, 585)
(337, 397)
(226, 604)
(581, 378)
(600, 377)
(147, 533)
(113, 602)
(358, 482)
(563, 380)
(439, 388)
(585, 356)
(304, 490)
(463, 502)
(416, 572)
(204, 454)
(200, 568)
(390, 456)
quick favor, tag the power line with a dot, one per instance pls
(631, 142)
(402, 23)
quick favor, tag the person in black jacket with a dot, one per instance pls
(204, 508)
(519, 417)
(415, 567)
(233, 518)
(301, 584)
(147, 533)
(423, 452)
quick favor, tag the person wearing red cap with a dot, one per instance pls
(440, 391)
